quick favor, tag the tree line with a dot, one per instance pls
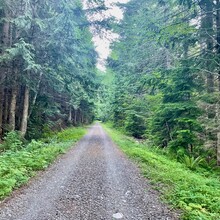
(165, 82)
(47, 66)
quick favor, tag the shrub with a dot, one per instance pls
(19, 163)
(191, 162)
(134, 124)
(12, 141)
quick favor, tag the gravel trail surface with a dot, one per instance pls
(93, 181)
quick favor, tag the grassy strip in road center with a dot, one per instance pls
(17, 166)
(198, 196)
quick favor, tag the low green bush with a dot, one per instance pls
(18, 165)
(12, 141)
(196, 194)
(191, 162)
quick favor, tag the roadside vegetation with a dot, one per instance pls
(47, 83)
(187, 186)
(20, 161)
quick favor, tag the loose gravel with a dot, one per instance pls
(93, 181)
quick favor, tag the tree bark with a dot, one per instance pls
(218, 53)
(209, 42)
(6, 28)
(75, 116)
(6, 106)
(70, 115)
(207, 25)
(24, 120)
(218, 134)
(218, 36)
(1, 110)
(3, 71)
(218, 149)
(35, 95)
(82, 117)
(12, 111)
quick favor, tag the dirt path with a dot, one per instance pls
(93, 181)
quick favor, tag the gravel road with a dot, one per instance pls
(93, 181)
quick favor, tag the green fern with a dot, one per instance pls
(191, 162)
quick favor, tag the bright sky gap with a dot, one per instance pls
(102, 44)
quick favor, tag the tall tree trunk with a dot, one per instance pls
(218, 36)
(207, 24)
(218, 104)
(6, 106)
(207, 36)
(11, 35)
(35, 94)
(6, 29)
(1, 110)
(218, 149)
(70, 115)
(12, 111)
(82, 117)
(75, 116)
(218, 134)
(3, 71)
(209, 42)
(24, 120)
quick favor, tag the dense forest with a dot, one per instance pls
(157, 94)
(47, 71)
(162, 81)
(164, 76)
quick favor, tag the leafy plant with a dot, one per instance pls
(12, 141)
(191, 162)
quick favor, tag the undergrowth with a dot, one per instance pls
(19, 162)
(196, 194)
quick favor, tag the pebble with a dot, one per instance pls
(118, 215)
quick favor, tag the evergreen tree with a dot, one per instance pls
(48, 73)
(166, 73)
